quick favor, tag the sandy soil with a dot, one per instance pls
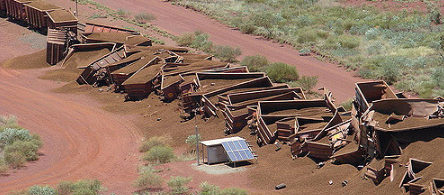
(88, 134)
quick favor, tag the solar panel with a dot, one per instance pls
(237, 150)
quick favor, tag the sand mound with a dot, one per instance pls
(24, 62)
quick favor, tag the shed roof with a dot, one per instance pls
(219, 141)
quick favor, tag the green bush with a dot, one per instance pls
(347, 105)
(281, 72)
(41, 190)
(438, 76)
(191, 140)
(152, 142)
(209, 189)
(247, 27)
(307, 36)
(201, 41)
(389, 73)
(255, 63)
(177, 184)
(185, 40)
(348, 41)
(226, 53)
(9, 121)
(8, 136)
(233, 191)
(304, 51)
(198, 40)
(308, 82)
(82, 187)
(15, 159)
(265, 20)
(160, 154)
(122, 13)
(144, 17)
(148, 180)
(27, 148)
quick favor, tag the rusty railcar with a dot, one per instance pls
(36, 13)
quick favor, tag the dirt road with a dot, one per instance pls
(81, 141)
(178, 20)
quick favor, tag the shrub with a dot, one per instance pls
(144, 17)
(122, 13)
(389, 73)
(209, 189)
(255, 63)
(247, 27)
(191, 140)
(27, 148)
(15, 159)
(233, 191)
(41, 190)
(438, 76)
(82, 187)
(3, 166)
(226, 53)
(197, 40)
(201, 41)
(9, 121)
(349, 41)
(177, 184)
(9, 135)
(307, 36)
(185, 39)
(148, 180)
(160, 154)
(266, 20)
(308, 82)
(281, 72)
(152, 142)
(304, 51)
(347, 105)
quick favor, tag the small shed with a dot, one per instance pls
(232, 149)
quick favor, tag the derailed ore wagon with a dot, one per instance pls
(96, 71)
(234, 106)
(36, 13)
(121, 75)
(393, 124)
(142, 83)
(211, 84)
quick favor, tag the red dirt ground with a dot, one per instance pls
(81, 140)
(178, 20)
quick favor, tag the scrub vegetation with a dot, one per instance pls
(17, 145)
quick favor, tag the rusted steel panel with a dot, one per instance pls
(367, 92)
(318, 150)
(119, 38)
(56, 46)
(3, 5)
(94, 27)
(239, 98)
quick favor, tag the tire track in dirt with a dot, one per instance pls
(178, 20)
(81, 142)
